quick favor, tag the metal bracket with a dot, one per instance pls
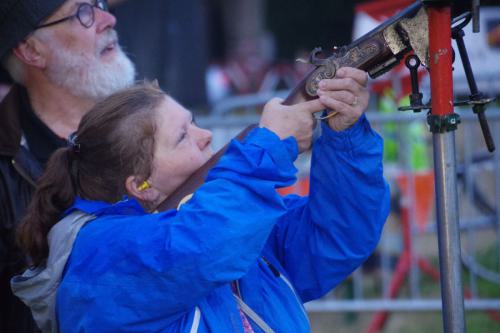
(418, 108)
(441, 124)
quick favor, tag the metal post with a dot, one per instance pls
(440, 52)
(448, 233)
(497, 190)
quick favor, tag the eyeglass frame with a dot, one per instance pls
(99, 4)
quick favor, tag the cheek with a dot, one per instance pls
(70, 38)
(187, 165)
(171, 171)
(176, 168)
(84, 45)
(197, 159)
(162, 171)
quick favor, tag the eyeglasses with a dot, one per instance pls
(85, 14)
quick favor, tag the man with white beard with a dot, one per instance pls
(64, 56)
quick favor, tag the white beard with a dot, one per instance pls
(87, 76)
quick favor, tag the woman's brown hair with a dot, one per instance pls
(115, 139)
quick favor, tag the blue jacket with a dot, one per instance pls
(130, 271)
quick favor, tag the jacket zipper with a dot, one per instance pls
(277, 273)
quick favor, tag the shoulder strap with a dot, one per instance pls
(254, 316)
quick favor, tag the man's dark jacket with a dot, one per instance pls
(18, 171)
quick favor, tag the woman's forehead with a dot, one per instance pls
(171, 108)
(173, 117)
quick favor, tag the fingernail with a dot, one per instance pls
(340, 72)
(322, 84)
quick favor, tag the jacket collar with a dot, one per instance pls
(10, 122)
(10, 137)
(126, 206)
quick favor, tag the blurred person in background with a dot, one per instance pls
(63, 56)
(247, 70)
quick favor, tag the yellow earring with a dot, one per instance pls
(144, 186)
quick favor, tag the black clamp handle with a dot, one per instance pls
(479, 107)
(412, 62)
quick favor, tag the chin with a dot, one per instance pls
(209, 155)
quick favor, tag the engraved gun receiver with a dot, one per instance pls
(376, 52)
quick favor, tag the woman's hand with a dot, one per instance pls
(295, 120)
(347, 95)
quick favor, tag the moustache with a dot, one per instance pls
(108, 41)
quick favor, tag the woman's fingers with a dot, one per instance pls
(347, 95)
(347, 78)
(344, 96)
(361, 77)
(340, 106)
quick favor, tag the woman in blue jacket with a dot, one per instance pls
(237, 257)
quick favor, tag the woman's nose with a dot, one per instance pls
(204, 138)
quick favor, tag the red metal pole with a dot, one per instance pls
(440, 60)
(443, 123)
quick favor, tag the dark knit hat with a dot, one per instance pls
(20, 17)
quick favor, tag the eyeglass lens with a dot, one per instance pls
(86, 15)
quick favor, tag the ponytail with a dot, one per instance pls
(55, 193)
(115, 139)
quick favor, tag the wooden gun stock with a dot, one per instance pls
(376, 52)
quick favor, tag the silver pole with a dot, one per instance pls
(497, 189)
(448, 232)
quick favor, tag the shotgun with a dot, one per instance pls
(376, 53)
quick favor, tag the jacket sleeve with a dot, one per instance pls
(178, 257)
(326, 236)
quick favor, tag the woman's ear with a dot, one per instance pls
(30, 53)
(139, 190)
